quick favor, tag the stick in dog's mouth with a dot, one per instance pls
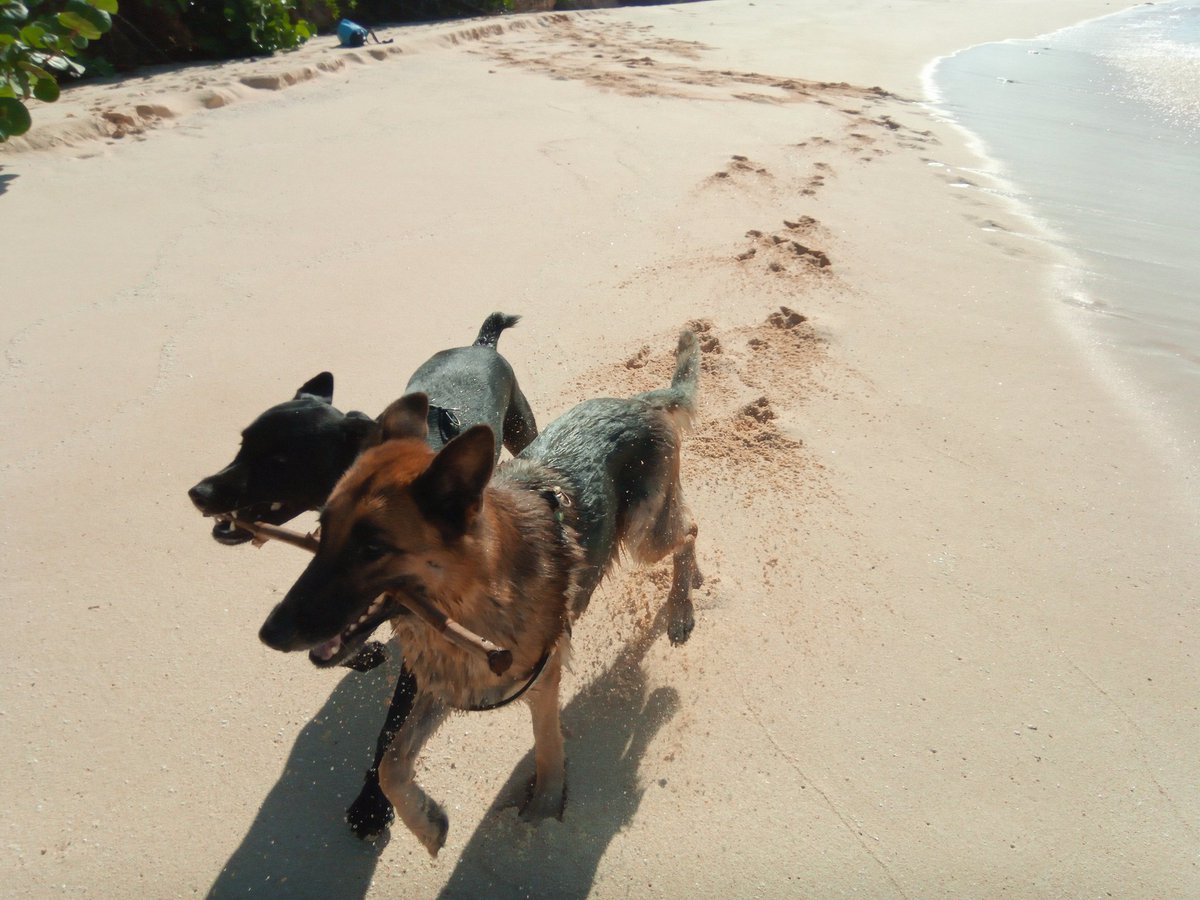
(232, 526)
(386, 605)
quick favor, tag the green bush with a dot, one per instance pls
(149, 32)
(37, 46)
(246, 27)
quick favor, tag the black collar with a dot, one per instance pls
(533, 676)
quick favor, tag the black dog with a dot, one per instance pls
(293, 454)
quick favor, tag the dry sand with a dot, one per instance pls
(946, 646)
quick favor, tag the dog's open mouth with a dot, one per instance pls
(225, 531)
(353, 636)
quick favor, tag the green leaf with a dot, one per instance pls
(14, 118)
(14, 12)
(100, 20)
(20, 82)
(109, 6)
(32, 34)
(46, 89)
(61, 64)
(81, 26)
(34, 70)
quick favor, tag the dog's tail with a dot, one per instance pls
(679, 400)
(489, 334)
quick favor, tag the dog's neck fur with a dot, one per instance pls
(521, 545)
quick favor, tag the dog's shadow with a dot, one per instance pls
(299, 844)
(610, 725)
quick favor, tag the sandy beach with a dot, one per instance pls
(946, 645)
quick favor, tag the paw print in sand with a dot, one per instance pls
(782, 250)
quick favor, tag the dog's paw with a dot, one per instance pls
(546, 804)
(371, 655)
(370, 813)
(433, 837)
(679, 628)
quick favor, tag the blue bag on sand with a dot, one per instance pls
(351, 34)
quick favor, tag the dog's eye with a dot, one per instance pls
(372, 551)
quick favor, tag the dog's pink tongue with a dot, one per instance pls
(326, 650)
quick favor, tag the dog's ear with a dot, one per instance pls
(319, 386)
(407, 417)
(450, 490)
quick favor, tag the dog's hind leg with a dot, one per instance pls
(665, 525)
(423, 815)
(520, 428)
(681, 615)
(371, 812)
(549, 795)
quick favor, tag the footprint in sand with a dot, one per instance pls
(750, 377)
(815, 182)
(706, 335)
(639, 359)
(781, 250)
(738, 168)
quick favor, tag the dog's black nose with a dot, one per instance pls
(201, 495)
(279, 631)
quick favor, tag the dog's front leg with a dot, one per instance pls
(424, 816)
(371, 812)
(549, 794)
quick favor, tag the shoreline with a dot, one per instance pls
(1150, 391)
(948, 606)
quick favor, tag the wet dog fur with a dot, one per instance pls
(513, 556)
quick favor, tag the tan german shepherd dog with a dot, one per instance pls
(513, 556)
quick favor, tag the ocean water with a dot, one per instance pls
(1095, 131)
